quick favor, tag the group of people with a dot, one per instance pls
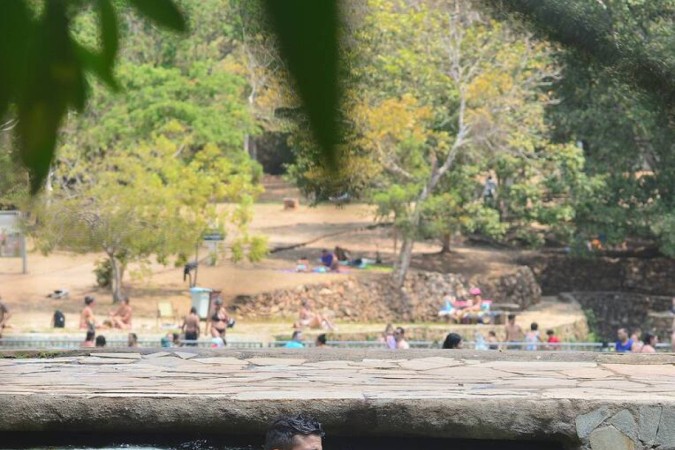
(456, 310)
(298, 342)
(637, 342)
(119, 318)
(332, 261)
(394, 338)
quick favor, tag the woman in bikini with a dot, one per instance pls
(219, 320)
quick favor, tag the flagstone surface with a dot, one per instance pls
(565, 397)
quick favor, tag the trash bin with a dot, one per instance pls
(200, 300)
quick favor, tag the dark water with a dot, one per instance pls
(164, 442)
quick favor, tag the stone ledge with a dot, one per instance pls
(551, 396)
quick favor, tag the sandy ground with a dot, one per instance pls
(321, 227)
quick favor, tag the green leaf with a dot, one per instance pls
(109, 30)
(98, 64)
(163, 12)
(308, 35)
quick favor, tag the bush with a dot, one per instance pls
(103, 272)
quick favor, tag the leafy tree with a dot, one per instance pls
(444, 97)
(146, 201)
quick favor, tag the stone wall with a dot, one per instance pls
(614, 310)
(558, 274)
(375, 299)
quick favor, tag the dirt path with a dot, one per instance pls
(318, 227)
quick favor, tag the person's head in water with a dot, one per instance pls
(294, 433)
(321, 340)
(452, 340)
(132, 340)
(297, 336)
(650, 339)
(100, 341)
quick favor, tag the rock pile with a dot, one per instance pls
(376, 299)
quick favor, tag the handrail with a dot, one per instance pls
(10, 342)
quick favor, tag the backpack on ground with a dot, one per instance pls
(59, 320)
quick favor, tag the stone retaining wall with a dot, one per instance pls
(558, 274)
(375, 298)
(614, 310)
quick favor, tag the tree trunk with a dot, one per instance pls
(116, 280)
(403, 263)
(445, 241)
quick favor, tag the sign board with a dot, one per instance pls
(12, 240)
(213, 235)
(10, 235)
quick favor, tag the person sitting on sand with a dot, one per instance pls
(342, 254)
(87, 317)
(302, 265)
(450, 306)
(329, 260)
(89, 339)
(311, 319)
(121, 317)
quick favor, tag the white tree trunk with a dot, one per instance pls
(116, 279)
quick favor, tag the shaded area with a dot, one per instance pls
(212, 442)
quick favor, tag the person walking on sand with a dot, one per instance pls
(513, 333)
(191, 327)
(87, 317)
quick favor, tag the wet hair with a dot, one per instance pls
(452, 340)
(280, 434)
(193, 310)
(100, 341)
(91, 335)
(321, 339)
(88, 300)
(400, 331)
(648, 338)
(296, 334)
(534, 326)
(511, 316)
(550, 332)
(133, 336)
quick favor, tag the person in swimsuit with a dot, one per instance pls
(219, 321)
(311, 319)
(87, 318)
(191, 327)
(121, 317)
